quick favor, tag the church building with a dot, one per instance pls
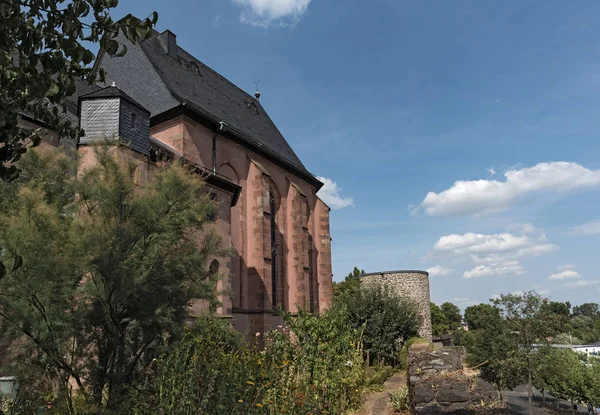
(161, 101)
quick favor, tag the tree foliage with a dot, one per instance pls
(44, 48)
(100, 271)
(388, 319)
(439, 321)
(351, 282)
(318, 369)
(453, 315)
(477, 316)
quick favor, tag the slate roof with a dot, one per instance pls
(112, 92)
(191, 83)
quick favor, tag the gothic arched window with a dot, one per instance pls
(274, 259)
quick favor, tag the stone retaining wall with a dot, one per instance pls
(438, 384)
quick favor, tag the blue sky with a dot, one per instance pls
(459, 137)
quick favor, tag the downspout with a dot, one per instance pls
(222, 128)
(214, 154)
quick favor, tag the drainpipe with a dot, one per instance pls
(214, 154)
(222, 128)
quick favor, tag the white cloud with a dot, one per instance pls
(217, 21)
(581, 283)
(477, 243)
(590, 228)
(505, 268)
(528, 251)
(267, 13)
(438, 270)
(493, 254)
(330, 194)
(527, 229)
(476, 197)
(491, 171)
(565, 275)
(564, 267)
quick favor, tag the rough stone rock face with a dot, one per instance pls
(411, 284)
(438, 384)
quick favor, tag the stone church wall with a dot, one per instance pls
(411, 284)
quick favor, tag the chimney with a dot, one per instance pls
(168, 41)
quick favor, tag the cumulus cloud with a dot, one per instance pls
(564, 267)
(590, 228)
(527, 229)
(438, 270)
(581, 283)
(505, 268)
(267, 13)
(528, 251)
(477, 243)
(478, 197)
(565, 275)
(330, 194)
(494, 254)
(491, 248)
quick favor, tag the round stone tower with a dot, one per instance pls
(411, 284)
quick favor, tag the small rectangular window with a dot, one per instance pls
(133, 121)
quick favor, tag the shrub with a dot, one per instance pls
(399, 399)
(388, 320)
(315, 365)
(375, 377)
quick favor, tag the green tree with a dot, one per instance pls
(566, 376)
(587, 309)
(351, 282)
(494, 349)
(452, 314)
(527, 320)
(44, 47)
(101, 279)
(388, 319)
(478, 316)
(439, 322)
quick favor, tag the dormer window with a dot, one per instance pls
(133, 121)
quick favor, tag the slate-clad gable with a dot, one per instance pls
(134, 127)
(100, 118)
(110, 113)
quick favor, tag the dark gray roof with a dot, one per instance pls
(147, 70)
(112, 92)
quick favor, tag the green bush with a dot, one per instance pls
(399, 399)
(377, 375)
(313, 366)
(388, 320)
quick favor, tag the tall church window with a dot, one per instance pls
(311, 276)
(274, 259)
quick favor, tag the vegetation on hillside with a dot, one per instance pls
(99, 272)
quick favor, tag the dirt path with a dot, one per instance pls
(377, 403)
